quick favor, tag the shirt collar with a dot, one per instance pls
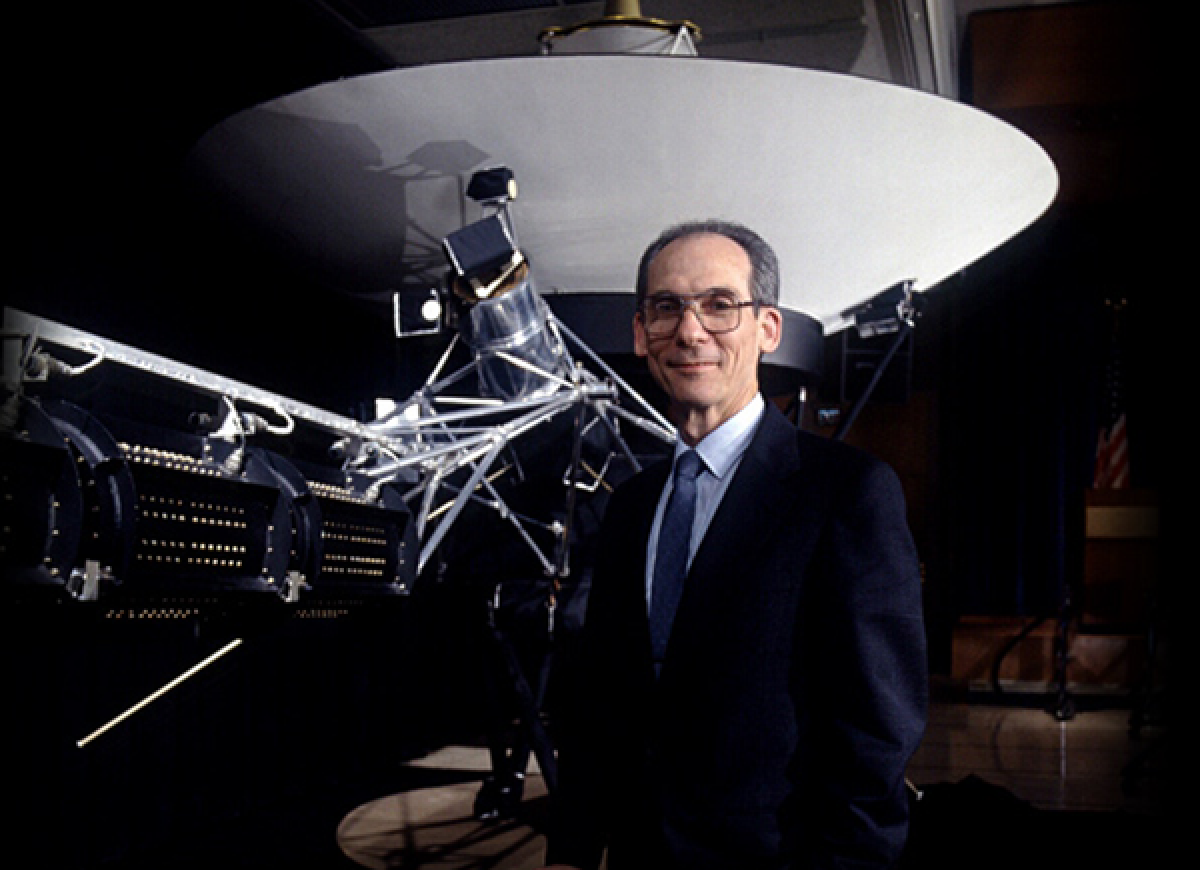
(721, 448)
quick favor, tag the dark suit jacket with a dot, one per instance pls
(794, 687)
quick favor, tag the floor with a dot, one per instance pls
(1007, 780)
(1075, 765)
(432, 825)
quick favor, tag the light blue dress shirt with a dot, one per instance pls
(720, 451)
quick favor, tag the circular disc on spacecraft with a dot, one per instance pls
(857, 184)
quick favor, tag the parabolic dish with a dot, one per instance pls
(857, 184)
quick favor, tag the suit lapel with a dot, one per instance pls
(758, 499)
(636, 524)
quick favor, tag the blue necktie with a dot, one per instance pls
(671, 558)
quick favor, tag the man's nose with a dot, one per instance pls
(690, 328)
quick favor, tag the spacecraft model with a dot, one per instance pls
(398, 186)
(98, 505)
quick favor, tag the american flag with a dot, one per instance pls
(1112, 443)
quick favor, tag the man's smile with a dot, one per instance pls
(689, 366)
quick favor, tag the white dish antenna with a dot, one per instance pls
(859, 185)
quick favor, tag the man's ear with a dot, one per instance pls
(639, 335)
(770, 328)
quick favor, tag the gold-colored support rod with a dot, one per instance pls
(154, 696)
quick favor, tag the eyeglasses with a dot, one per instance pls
(718, 311)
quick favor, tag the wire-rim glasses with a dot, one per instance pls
(718, 311)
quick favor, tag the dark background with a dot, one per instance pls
(997, 415)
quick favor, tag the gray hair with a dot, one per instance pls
(764, 265)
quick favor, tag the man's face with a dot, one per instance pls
(707, 378)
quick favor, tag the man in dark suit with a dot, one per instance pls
(764, 719)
